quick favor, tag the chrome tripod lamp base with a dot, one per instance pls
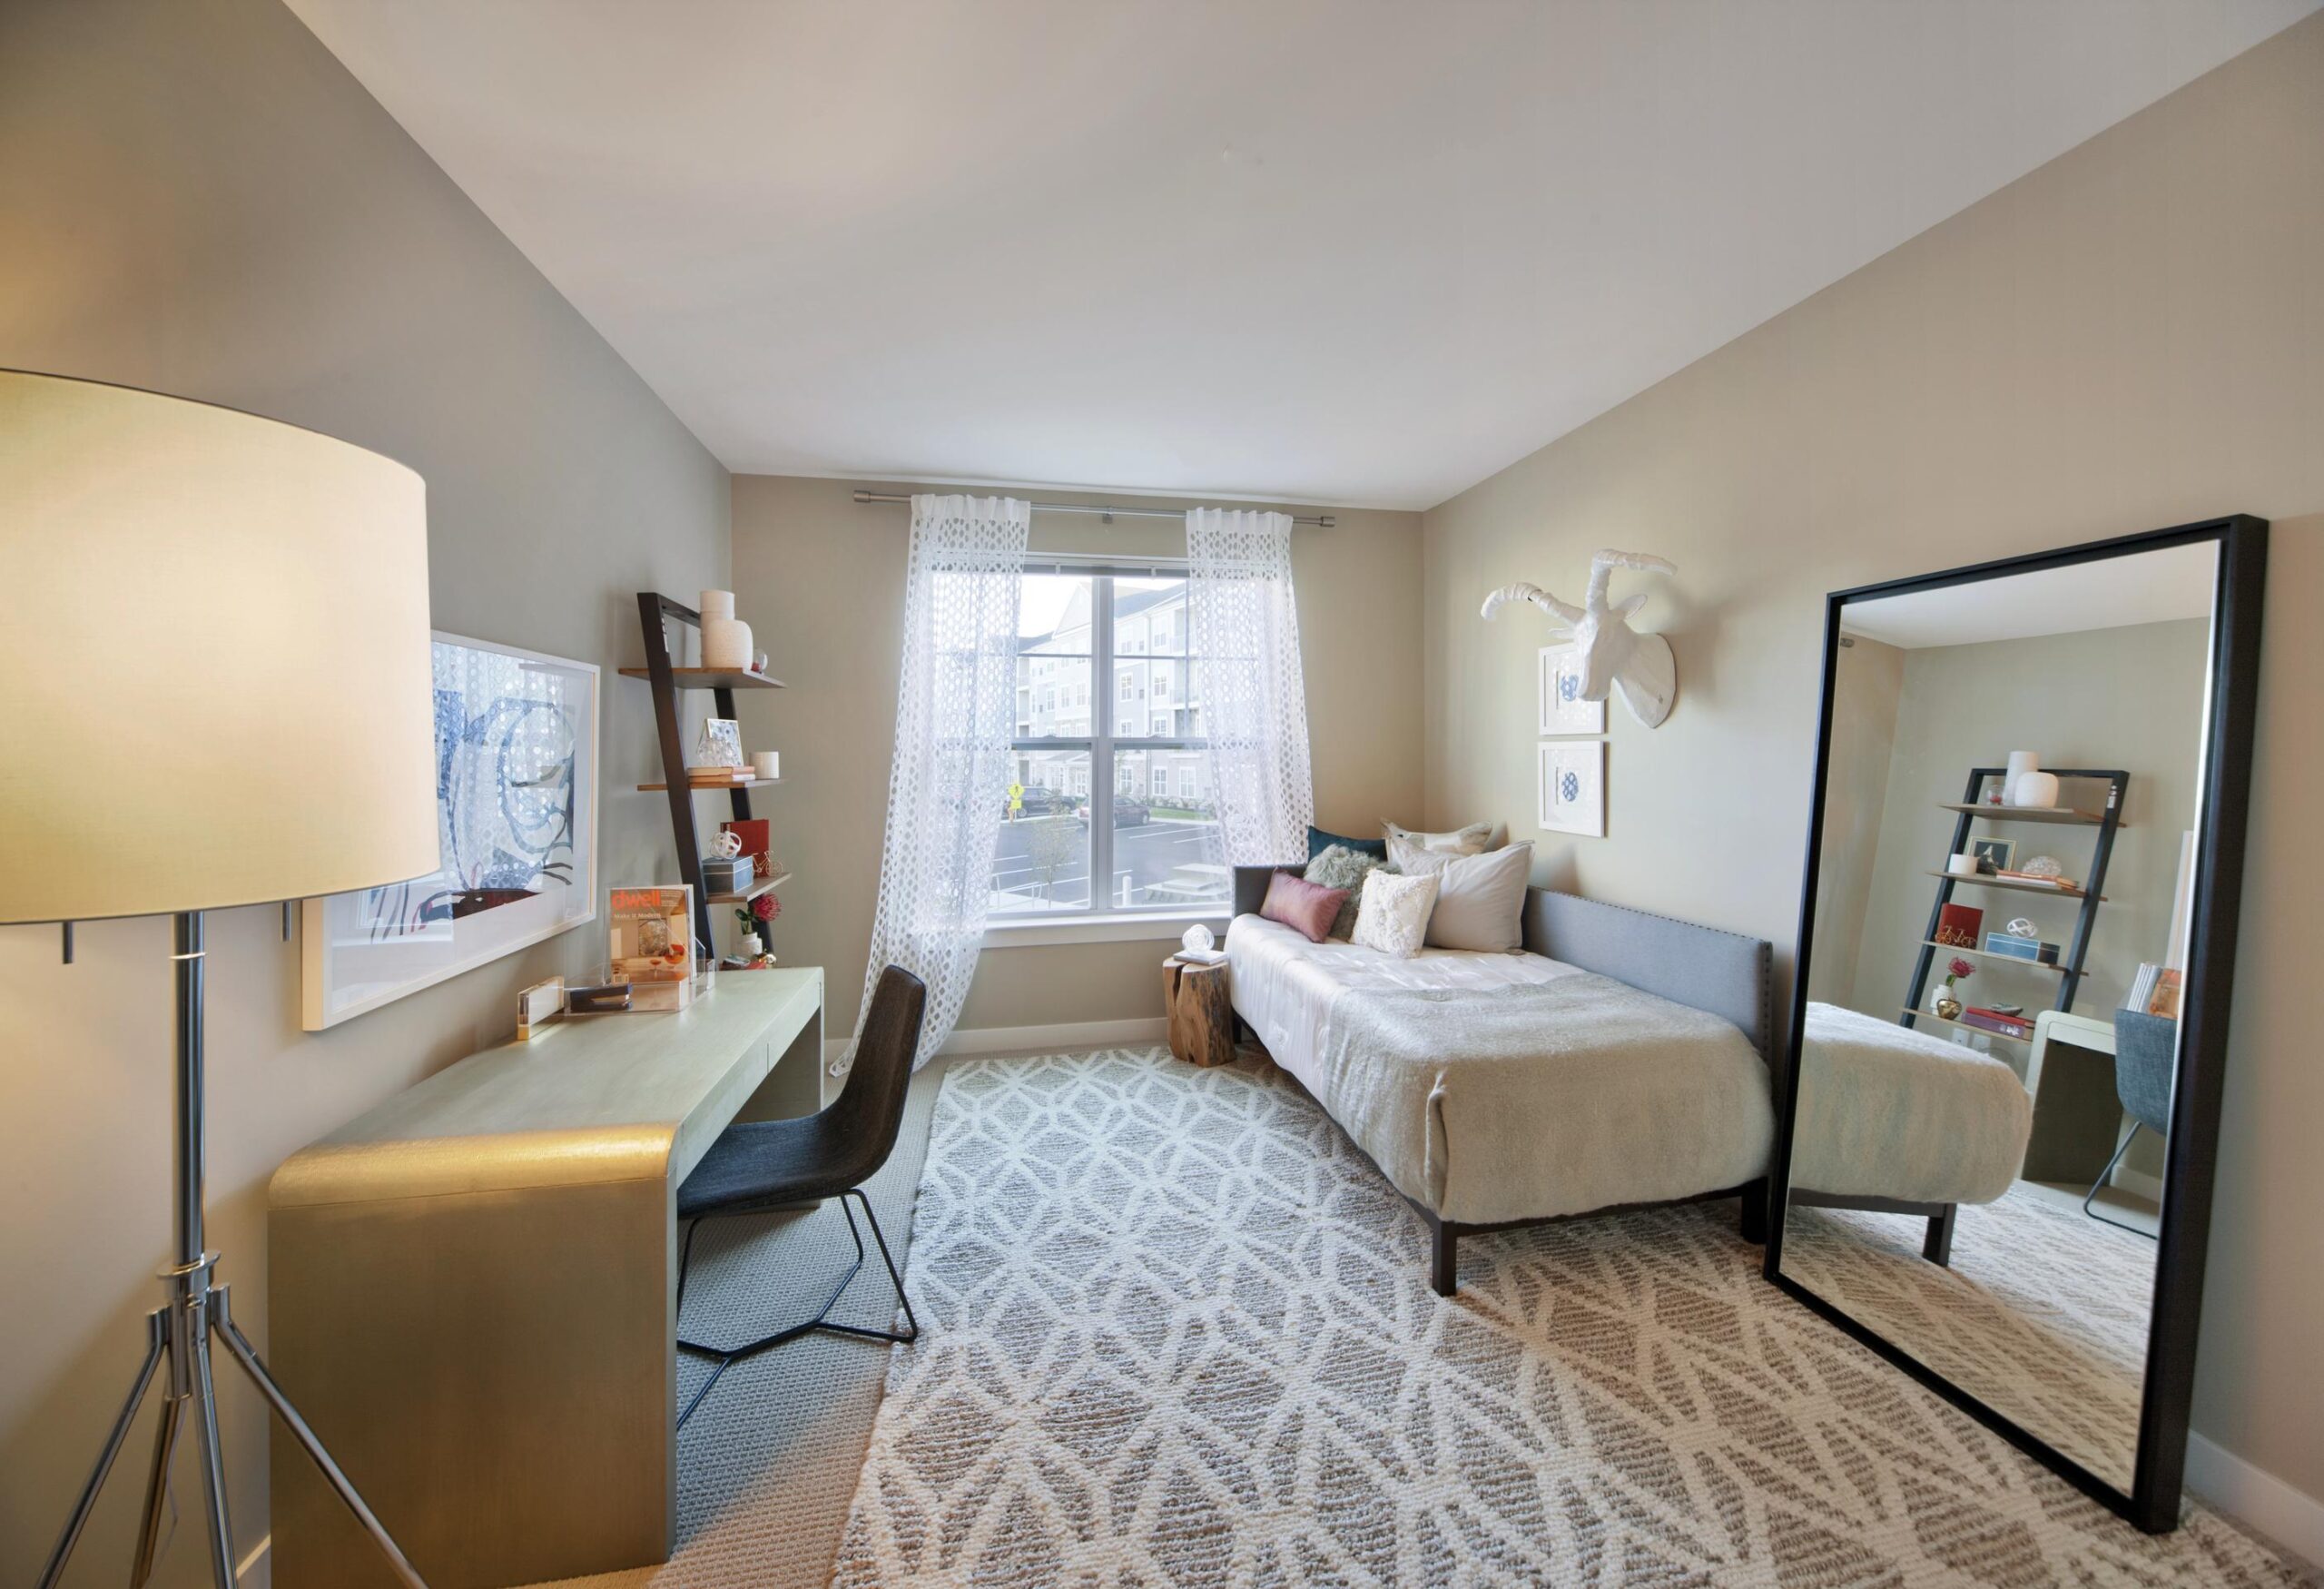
(178, 1339)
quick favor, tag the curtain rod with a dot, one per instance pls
(1320, 521)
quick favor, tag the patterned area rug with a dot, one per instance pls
(1176, 1330)
(2041, 1315)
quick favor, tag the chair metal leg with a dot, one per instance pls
(2106, 1175)
(727, 1356)
(686, 1256)
(156, 1338)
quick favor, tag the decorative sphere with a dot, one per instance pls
(2023, 928)
(1197, 939)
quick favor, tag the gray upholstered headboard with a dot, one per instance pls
(1723, 973)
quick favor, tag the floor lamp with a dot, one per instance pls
(241, 605)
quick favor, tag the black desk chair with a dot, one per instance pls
(761, 1165)
(2146, 1062)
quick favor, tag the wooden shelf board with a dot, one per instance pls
(1964, 1025)
(1990, 955)
(711, 788)
(2065, 815)
(2016, 887)
(752, 892)
(711, 678)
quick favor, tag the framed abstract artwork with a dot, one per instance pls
(1563, 710)
(517, 825)
(1573, 788)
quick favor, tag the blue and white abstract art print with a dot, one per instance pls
(517, 828)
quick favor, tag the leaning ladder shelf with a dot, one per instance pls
(2090, 896)
(655, 613)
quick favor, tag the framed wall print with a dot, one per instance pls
(517, 829)
(1563, 710)
(1571, 790)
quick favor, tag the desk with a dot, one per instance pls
(471, 1290)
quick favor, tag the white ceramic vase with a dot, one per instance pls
(725, 642)
(717, 604)
(2020, 762)
(751, 947)
(2035, 789)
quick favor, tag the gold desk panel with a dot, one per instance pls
(472, 1290)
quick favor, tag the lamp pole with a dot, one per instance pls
(179, 1334)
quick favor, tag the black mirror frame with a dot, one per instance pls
(2153, 1501)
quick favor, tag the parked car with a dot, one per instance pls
(1130, 810)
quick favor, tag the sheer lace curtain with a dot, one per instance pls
(1245, 633)
(955, 715)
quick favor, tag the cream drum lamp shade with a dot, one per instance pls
(214, 659)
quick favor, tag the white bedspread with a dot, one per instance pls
(1888, 1112)
(1533, 1089)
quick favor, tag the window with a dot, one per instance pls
(1092, 825)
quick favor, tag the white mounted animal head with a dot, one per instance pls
(1614, 656)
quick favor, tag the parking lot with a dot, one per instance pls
(1150, 854)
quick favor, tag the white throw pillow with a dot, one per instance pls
(1472, 840)
(1393, 916)
(1480, 899)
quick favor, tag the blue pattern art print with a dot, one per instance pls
(1572, 789)
(516, 780)
(1562, 709)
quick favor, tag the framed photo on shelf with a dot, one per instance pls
(1572, 789)
(1562, 708)
(1993, 854)
(516, 834)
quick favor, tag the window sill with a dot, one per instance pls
(1040, 931)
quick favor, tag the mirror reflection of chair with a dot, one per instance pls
(2146, 1053)
(759, 1166)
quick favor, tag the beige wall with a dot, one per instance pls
(196, 197)
(2131, 336)
(2131, 697)
(1867, 684)
(821, 579)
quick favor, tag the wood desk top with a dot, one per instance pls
(592, 1099)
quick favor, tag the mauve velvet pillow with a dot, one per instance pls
(1306, 908)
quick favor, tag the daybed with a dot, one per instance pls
(1616, 1063)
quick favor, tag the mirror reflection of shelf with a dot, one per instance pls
(1997, 958)
(1965, 1025)
(2053, 813)
(712, 788)
(710, 679)
(764, 886)
(2011, 882)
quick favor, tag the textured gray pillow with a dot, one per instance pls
(1337, 866)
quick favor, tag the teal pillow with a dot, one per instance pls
(1318, 841)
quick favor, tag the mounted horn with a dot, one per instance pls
(1614, 656)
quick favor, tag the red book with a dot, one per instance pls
(1956, 926)
(1994, 1020)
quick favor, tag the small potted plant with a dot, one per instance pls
(753, 916)
(1946, 1003)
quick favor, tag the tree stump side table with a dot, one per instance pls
(1202, 1020)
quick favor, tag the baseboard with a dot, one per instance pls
(2146, 1187)
(2256, 1497)
(257, 1571)
(1020, 1040)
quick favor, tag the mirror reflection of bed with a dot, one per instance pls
(1985, 1080)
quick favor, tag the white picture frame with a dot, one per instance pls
(502, 714)
(1570, 788)
(1557, 688)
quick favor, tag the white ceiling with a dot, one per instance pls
(1359, 252)
(2145, 588)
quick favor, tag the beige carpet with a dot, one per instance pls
(2041, 1314)
(766, 1466)
(1177, 1331)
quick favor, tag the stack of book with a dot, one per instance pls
(717, 777)
(2155, 991)
(2035, 880)
(2006, 1023)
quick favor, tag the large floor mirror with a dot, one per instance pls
(2017, 937)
